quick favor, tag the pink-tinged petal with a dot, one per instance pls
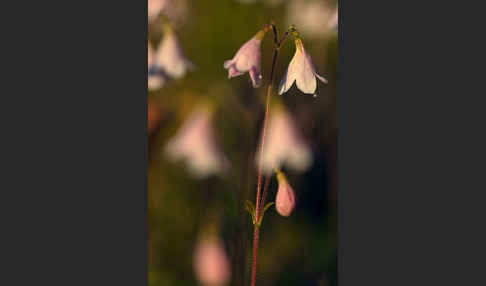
(195, 143)
(284, 144)
(232, 72)
(292, 73)
(256, 77)
(247, 59)
(170, 57)
(285, 83)
(306, 80)
(228, 63)
(320, 78)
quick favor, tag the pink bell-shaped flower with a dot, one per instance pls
(211, 264)
(284, 143)
(248, 59)
(302, 71)
(195, 142)
(285, 200)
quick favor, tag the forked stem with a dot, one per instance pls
(259, 202)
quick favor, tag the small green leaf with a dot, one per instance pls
(250, 207)
(267, 206)
(263, 213)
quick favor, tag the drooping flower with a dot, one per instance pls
(284, 144)
(248, 59)
(211, 264)
(302, 71)
(196, 144)
(170, 58)
(285, 199)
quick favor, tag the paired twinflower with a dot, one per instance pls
(301, 69)
(196, 143)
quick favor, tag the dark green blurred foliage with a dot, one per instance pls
(297, 250)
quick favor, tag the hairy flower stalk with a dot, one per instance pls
(248, 59)
(259, 205)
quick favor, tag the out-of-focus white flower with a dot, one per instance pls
(285, 200)
(155, 7)
(195, 142)
(302, 71)
(170, 57)
(211, 264)
(284, 144)
(312, 17)
(247, 59)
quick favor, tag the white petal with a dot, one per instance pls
(256, 77)
(320, 78)
(170, 57)
(228, 63)
(300, 158)
(291, 73)
(306, 80)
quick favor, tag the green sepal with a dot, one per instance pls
(250, 207)
(263, 212)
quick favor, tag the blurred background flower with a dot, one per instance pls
(284, 143)
(315, 18)
(211, 264)
(182, 191)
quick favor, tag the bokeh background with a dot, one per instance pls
(295, 250)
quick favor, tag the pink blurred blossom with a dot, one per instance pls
(195, 143)
(170, 57)
(211, 263)
(284, 144)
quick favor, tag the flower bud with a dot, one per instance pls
(285, 201)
